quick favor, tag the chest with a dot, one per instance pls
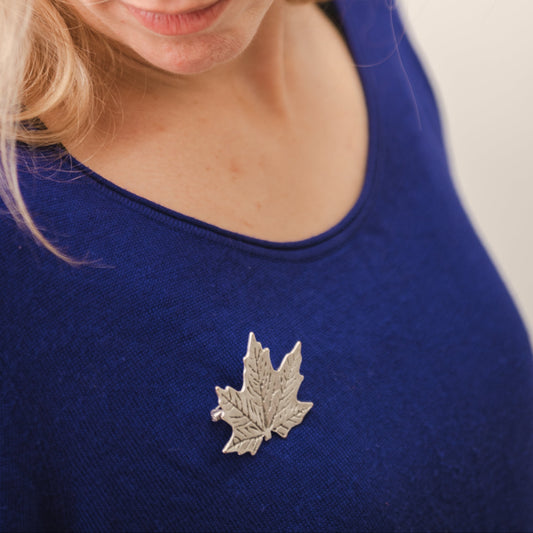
(409, 407)
(293, 171)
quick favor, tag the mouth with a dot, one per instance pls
(186, 21)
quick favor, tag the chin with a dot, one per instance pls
(196, 56)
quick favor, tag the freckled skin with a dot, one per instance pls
(235, 168)
(221, 124)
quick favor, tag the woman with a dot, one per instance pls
(195, 172)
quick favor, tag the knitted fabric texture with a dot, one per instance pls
(414, 356)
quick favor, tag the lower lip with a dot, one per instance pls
(179, 23)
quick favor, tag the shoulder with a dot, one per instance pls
(31, 278)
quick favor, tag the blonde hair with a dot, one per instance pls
(47, 65)
(50, 64)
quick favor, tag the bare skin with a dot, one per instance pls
(271, 144)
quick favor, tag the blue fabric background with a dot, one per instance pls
(416, 360)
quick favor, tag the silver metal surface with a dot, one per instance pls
(266, 403)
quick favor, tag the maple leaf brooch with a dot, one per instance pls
(267, 401)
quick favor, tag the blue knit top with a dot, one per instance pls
(415, 358)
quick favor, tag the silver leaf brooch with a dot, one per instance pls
(266, 403)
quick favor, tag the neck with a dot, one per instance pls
(259, 78)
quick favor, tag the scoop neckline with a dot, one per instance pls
(313, 243)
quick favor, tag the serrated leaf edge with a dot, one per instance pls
(287, 374)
